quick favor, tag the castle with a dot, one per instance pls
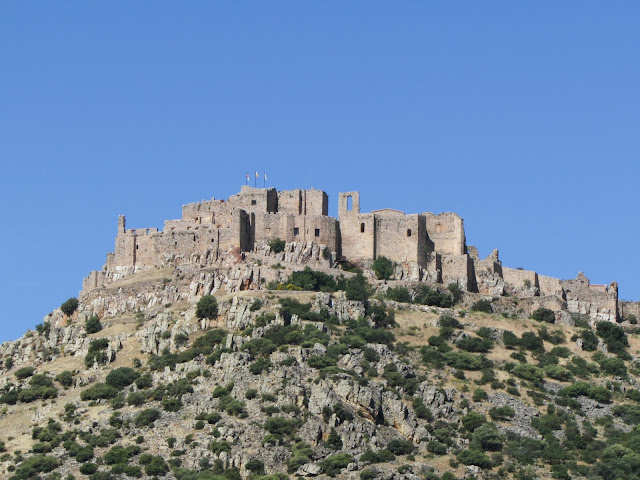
(425, 246)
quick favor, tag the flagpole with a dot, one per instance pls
(264, 180)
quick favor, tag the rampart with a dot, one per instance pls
(429, 247)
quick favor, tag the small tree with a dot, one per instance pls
(207, 307)
(382, 267)
(357, 288)
(69, 306)
(277, 245)
(93, 325)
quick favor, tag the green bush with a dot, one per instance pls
(589, 340)
(502, 413)
(473, 420)
(65, 378)
(399, 294)
(260, 365)
(474, 457)
(98, 391)
(558, 372)
(147, 417)
(475, 344)
(528, 372)
(24, 372)
(383, 268)
(482, 306)
(613, 335)
(357, 288)
(487, 438)
(88, 468)
(30, 467)
(426, 296)
(281, 426)
(309, 279)
(277, 245)
(336, 462)
(207, 307)
(400, 447)
(544, 315)
(93, 325)
(122, 377)
(157, 466)
(70, 306)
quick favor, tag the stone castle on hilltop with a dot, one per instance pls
(426, 247)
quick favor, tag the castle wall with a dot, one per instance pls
(357, 231)
(549, 285)
(596, 302)
(446, 231)
(258, 200)
(520, 282)
(459, 269)
(400, 237)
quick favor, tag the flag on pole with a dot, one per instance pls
(265, 177)
(247, 177)
(257, 176)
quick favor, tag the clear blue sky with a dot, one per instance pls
(523, 117)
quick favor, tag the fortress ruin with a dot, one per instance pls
(426, 247)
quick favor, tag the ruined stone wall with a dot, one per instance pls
(290, 201)
(520, 282)
(629, 308)
(459, 269)
(446, 231)
(549, 285)
(598, 302)
(400, 237)
(357, 231)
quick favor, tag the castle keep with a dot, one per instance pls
(426, 247)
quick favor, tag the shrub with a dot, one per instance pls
(473, 420)
(122, 377)
(558, 373)
(97, 352)
(277, 245)
(309, 279)
(426, 296)
(382, 267)
(479, 395)
(487, 438)
(147, 417)
(613, 335)
(30, 467)
(528, 372)
(475, 344)
(281, 425)
(400, 447)
(544, 315)
(614, 366)
(482, 306)
(207, 307)
(24, 372)
(532, 342)
(357, 288)
(70, 306)
(65, 378)
(474, 457)
(93, 325)
(502, 413)
(589, 340)
(157, 466)
(98, 391)
(334, 442)
(399, 294)
(421, 410)
(260, 365)
(336, 462)
(88, 468)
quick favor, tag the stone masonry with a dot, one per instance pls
(431, 247)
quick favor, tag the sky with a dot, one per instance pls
(522, 117)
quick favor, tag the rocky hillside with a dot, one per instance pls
(265, 371)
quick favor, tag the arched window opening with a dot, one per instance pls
(349, 203)
(362, 228)
(408, 232)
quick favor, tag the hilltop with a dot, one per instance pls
(259, 338)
